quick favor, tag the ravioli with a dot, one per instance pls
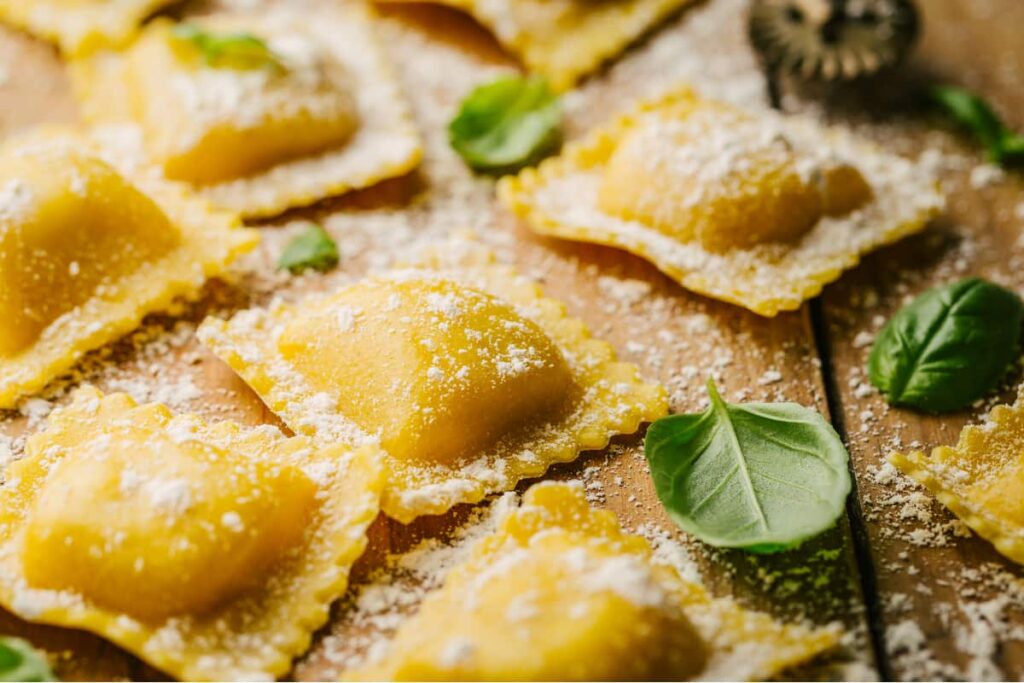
(467, 376)
(78, 26)
(980, 478)
(87, 251)
(559, 592)
(210, 550)
(755, 209)
(565, 40)
(295, 108)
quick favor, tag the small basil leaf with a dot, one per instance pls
(948, 347)
(232, 50)
(312, 249)
(759, 476)
(507, 124)
(19, 661)
(973, 113)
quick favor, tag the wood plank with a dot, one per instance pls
(736, 346)
(950, 605)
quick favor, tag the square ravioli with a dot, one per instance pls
(564, 40)
(559, 592)
(758, 210)
(78, 26)
(87, 251)
(469, 378)
(210, 550)
(981, 478)
(259, 112)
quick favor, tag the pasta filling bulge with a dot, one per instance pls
(78, 227)
(229, 112)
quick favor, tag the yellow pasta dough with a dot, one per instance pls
(86, 251)
(468, 377)
(292, 108)
(210, 550)
(980, 478)
(755, 209)
(564, 40)
(80, 25)
(559, 592)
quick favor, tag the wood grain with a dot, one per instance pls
(674, 336)
(961, 594)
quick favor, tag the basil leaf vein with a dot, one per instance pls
(759, 476)
(507, 124)
(948, 347)
(19, 661)
(311, 249)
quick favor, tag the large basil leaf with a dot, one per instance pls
(760, 476)
(948, 347)
(507, 124)
(19, 661)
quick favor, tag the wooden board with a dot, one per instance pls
(948, 605)
(678, 338)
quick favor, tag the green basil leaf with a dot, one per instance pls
(972, 113)
(948, 347)
(1002, 145)
(507, 124)
(312, 249)
(19, 661)
(759, 476)
(232, 50)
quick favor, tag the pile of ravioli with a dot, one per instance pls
(214, 551)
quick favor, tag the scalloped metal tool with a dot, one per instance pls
(832, 39)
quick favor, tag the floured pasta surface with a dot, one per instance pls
(564, 40)
(754, 209)
(467, 376)
(981, 478)
(86, 251)
(211, 551)
(80, 25)
(290, 107)
(559, 592)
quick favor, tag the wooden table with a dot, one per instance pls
(919, 597)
